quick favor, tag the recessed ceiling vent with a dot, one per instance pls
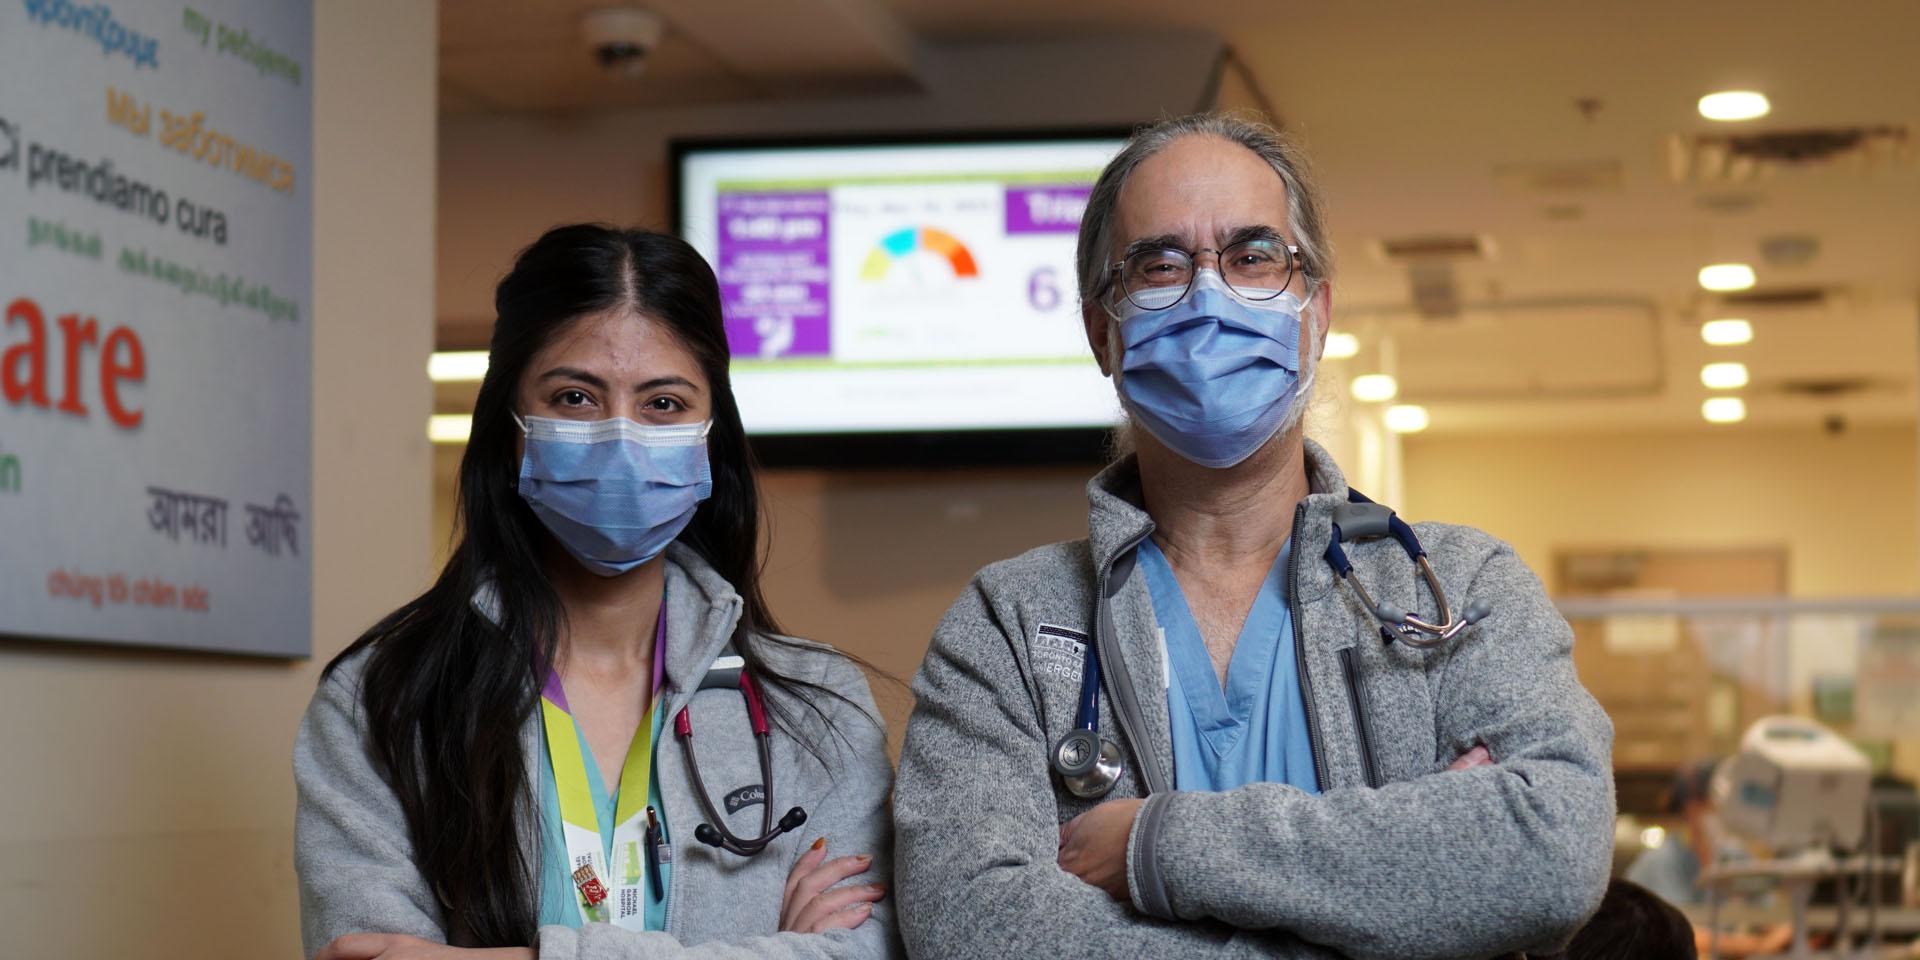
(1559, 178)
(1829, 388)
(1740, 157)
(1779, 298)
(1431, 285)
(1428, 247)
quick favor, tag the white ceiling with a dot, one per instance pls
(1428, 120)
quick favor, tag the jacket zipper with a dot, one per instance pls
(1357, 696)
(1121, 693)
(1300, 648)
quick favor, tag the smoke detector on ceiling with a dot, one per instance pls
(621, 38)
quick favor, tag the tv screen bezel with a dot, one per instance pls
(984, 447)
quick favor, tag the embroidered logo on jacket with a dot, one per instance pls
(745, 797)
(1058, 651)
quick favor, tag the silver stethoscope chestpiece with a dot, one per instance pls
(1089, 764)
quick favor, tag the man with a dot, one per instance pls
(1284, 784)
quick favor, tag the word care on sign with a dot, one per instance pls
(156, 341)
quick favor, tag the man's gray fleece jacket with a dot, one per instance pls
(1397, 857)
(355, 859)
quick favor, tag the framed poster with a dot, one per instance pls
(156, 370)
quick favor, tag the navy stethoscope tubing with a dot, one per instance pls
(1360, 519)
(1090, 764)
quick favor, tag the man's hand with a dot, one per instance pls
(1479, 756)
(1093, 846)
(394, 946)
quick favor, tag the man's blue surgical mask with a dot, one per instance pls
(1214, 375)
(614, 492)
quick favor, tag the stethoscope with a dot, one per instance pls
(731, 671)
(1090, 764)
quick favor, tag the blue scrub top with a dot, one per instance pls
(559, 903)
(1253, 731)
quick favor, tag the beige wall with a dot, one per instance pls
(1843, 506)
(148, 805)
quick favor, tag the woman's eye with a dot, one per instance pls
(664, 405)
(573, 398)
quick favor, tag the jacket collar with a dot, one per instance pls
(1116, 517)
(702, 611)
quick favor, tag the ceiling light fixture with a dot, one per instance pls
(1726, 333)
(1724, 410)
(1724, 376)
(1340, 346)
(457, 366)
(1724, 277)
(1728, 105)
(449, 427)
(1407, 418)
(1374, 388)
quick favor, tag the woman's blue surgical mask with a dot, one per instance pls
(614, 492)
(1214, 375)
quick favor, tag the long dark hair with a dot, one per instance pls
(446, 689)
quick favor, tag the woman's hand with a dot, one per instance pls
(395, 946)
(809, 907)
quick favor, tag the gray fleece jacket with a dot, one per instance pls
(1397, 857)
(355, 861)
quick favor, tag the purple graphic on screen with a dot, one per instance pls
(1046, 209)
(773, 263)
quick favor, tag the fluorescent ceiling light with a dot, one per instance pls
(458, 366)
(1734, 105)
(1407, 418)
(1374, 388)
(1726, 276)
(1341, 346)
(1726, 333)
(449, 427)
(1724, 409)
(1724, 376)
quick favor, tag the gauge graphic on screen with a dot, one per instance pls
(919, 253)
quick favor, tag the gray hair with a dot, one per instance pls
(1305, 223)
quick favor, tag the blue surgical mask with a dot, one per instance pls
(614, 492)
(1214, 375)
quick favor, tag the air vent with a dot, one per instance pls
(1778, 298)
(1826, 389)
(1740, 157)
(1559, 178)
(1812, 146)
(1433, 248)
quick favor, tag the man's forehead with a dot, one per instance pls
(1200, 190)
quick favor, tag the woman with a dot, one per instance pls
(487, 766)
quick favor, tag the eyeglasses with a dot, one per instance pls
(1159, 278)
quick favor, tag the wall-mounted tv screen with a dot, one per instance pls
(891, 301)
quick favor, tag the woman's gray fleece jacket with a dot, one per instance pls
(355, 859)
(1396, 858)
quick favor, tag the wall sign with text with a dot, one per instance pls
(156, 341)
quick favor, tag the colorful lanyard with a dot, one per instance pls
(634, 834)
